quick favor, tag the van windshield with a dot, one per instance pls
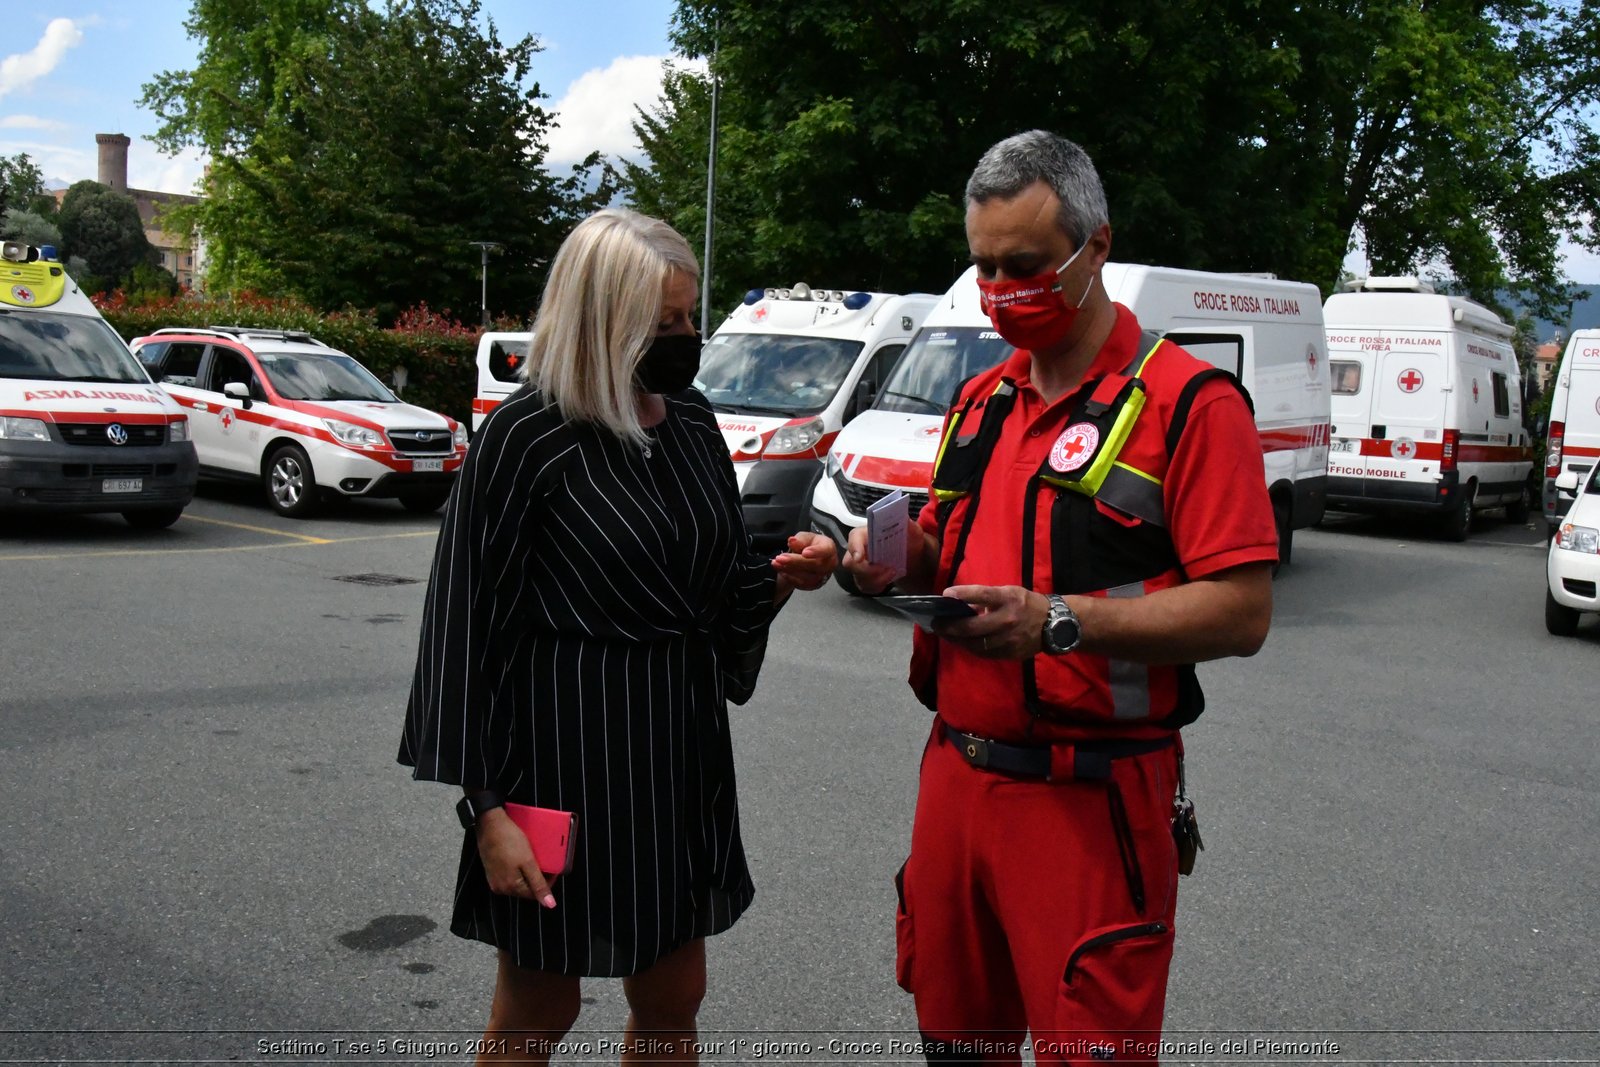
(45, 347)
(322, 377)
(774, 374)
(939, 359)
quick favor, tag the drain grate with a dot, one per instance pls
(376, 579)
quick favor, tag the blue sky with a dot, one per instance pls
(78, 70)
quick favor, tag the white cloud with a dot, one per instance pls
(597, 111)
(22, 69)
(148, 169)
(29, 122)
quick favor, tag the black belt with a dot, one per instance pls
(1062, 760)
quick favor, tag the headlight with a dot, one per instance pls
(1578, 539)
(178, 431)
(790, 440)
(16, 429)
(354, 436)
(460, 437)
(834, 465)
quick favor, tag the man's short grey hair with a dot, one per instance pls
(1041, 156)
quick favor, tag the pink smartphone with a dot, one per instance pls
(553, 835)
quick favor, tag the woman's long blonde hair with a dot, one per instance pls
(599, 313)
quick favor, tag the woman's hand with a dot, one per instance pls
(508, 859)
(808, 564)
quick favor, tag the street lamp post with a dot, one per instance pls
(484, 247)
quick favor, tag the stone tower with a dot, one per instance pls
(113, 160)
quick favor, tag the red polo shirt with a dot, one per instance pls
(1218, 515)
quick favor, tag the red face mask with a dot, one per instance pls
(1029, 313)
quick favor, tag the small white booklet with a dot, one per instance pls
(889, 531)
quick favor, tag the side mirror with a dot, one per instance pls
(1567, 483)
(237, 391)
(866, 393)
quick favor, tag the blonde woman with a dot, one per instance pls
(593, 605)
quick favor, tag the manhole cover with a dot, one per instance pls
(376, 579)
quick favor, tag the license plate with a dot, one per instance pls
(1345, 444)
(427, 464)
(122, 485)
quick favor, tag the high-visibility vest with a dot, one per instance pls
(1090, 553)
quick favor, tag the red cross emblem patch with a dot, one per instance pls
(759, 314)
(22, 294)
(1474, 390)
(226, 418)
(1410, 380)
(1403, 448)
(1074, 447)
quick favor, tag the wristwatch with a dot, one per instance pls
(1061, 627)
(471, 807)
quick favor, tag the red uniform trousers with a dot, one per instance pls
(1017, 913)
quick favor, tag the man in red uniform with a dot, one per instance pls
(1100, 500)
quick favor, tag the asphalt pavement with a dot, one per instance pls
(208, 852)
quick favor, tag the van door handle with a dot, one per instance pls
(198, 406)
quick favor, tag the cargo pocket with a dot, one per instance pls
(1113, 992)
(902, 932)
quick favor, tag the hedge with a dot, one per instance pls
(436, 351)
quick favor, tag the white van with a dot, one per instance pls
(82, 426)
(1266, 331)
(500, 360)
(1573, 441)
(785, 372)
(1427, 405)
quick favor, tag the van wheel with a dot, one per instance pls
(152, 518)
(1519, 509)
(291, 485)
(845, 582)
(1458, 520)
(1559, 619)
(1283, 518)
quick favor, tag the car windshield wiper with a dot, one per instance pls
(95, 378)
(757, 409)
(933, 409)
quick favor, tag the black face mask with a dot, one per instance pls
(669, 364)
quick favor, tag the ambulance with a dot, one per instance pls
(1427, 406)
(1266, 331)
(785, 372)
(1573, 442)
(500, 360)
(82, 426)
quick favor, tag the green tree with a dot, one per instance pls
(104, 229)
(22, 186)
(20, 224)
(1231, 134)
(357, 150)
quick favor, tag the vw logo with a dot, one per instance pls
(116, 434)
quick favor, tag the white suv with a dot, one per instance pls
(1573, 566)
(301, 418)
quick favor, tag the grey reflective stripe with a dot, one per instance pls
(1130, 682)
(1147, 343)
(1134, 495)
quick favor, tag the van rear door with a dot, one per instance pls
(1408, 412)
(1582, 442)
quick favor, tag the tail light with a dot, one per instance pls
(1552, 452)
(1447, 460)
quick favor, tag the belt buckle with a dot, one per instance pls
(977, 751)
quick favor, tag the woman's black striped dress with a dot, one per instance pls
(592, 608)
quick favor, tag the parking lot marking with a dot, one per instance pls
(258, 529)
(315, 542)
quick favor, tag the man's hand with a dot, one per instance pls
(1009, 623)
(508, 859)
(871, 578)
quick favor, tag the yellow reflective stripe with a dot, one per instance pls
(1135, 470)
(1140, 369)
